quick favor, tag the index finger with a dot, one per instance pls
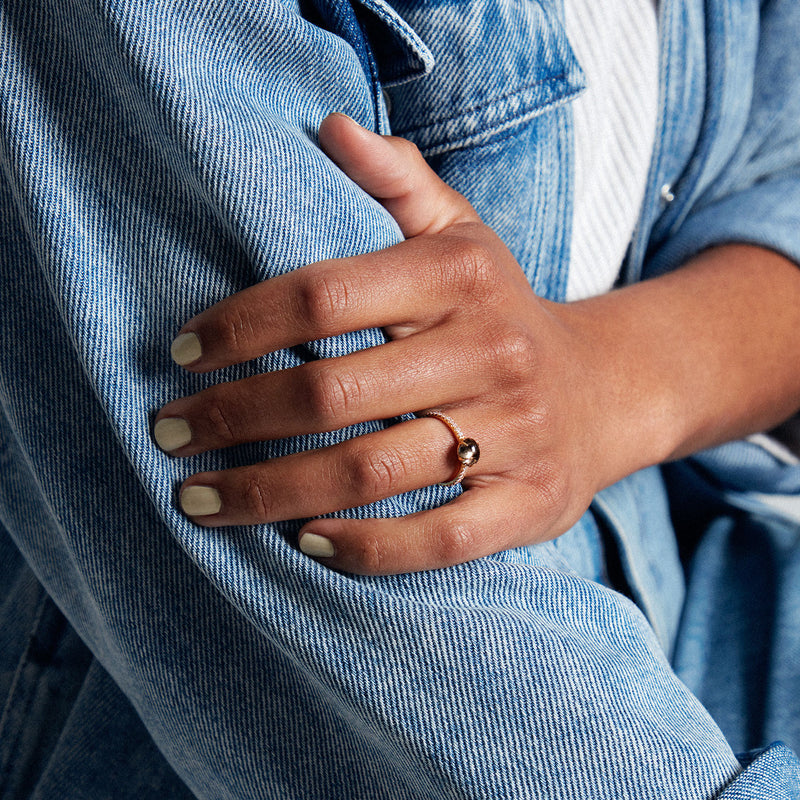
(414, 283)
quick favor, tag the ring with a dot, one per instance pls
(467, 450)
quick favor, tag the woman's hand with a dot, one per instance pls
(563, 399)
(468, 337)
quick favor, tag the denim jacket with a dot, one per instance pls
(156, 158)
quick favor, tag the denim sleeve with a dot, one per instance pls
(155, 158)
(743, 182)
(743, 185)
(772, 774)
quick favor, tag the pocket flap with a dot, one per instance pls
(399, 53)
(498, 63)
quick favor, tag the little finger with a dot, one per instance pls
(484, 520)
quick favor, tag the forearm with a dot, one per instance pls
(694, 358)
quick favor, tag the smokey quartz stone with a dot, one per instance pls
(468, 452)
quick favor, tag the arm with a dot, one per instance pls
(569, 398)
(700, 356)
(130, 201)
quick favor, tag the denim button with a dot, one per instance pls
(667, 194)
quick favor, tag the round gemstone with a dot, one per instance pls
(468, 452)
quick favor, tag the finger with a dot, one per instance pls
(483, 520)
(412, 285)
(393, 171)
(358, 471)
(327, 395)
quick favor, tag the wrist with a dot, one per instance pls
(692, 359)
(635, 410)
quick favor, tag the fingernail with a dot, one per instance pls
(172, 433)
(346, 116)
(200, 501)
(312, 544)
(186, 348)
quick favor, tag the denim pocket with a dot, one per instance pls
(498, 64)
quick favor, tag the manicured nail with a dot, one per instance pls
(200, 501)
(172, 433)
(348, 118)
(186, 348)
(312, 544)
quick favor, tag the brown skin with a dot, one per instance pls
(564, 399)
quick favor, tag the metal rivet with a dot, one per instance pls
(666, 193)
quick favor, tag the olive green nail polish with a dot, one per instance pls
(312, 544)
(200, 501)
(172, 433)
(186, 348)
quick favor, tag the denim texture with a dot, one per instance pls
(157, 157)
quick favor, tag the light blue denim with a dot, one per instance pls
(157, 156)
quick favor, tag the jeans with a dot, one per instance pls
(156, 158)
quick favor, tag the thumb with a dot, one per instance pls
(392, 170)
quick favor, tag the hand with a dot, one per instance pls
(467, 336)
(563, 399)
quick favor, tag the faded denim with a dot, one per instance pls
(157, 157)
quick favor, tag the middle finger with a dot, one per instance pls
(326, 395)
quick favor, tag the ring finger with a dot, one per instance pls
(372, 467)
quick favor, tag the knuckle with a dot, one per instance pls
(408, 149)
(332, 394)
(370, 554)
(513, 353)
(234, 328)
(537, 415)
(376, 473)
(408, 154)
(219, 418)
(321, 298)
(531, 425)
(257, 498)
(474, 267)
(454, 543)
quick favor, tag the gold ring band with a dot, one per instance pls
(467, 450)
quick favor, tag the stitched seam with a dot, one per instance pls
(500, 132)
(486, 103)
